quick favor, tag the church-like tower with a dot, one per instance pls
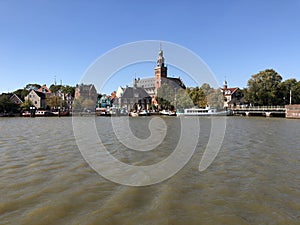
(160, 70)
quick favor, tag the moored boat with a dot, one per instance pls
(167, 113)
(208, 111)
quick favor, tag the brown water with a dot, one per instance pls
(255, 179)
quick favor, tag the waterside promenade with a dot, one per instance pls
(288, 111)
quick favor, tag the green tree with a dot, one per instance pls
(183, 99)
(6, 105)
(290, 86)
(55, 102)
(206, 89)
(32, 86)
(198, 97)
(55, 88)
(166, 97)
(264, 88)
(21, 93)
(69, 90)
(215, 99)
(26, 105)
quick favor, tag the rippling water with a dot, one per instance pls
(253, 180)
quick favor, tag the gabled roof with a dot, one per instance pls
(15, 98)
(177, 81)
(229, 91)
(40, 94)
(135, 92)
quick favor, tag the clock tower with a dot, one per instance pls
(160, 70)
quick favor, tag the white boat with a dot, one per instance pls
(203, 112)
(144, 113)
(133, 114)
(167, 113)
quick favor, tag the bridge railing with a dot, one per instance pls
(259, 108)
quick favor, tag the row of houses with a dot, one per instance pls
(143, 92)
(141, 95)
(38, 97)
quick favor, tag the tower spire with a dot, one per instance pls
(160, 58)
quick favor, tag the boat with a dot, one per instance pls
(208, 111)
(102, 112)
(133, 114)
(167, 113)
(61, 113)
(144, 113)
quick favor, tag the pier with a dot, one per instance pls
(268, 111)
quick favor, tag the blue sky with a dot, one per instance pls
(44, 39)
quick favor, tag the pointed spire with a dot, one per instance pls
(160, 58)
(225, 84)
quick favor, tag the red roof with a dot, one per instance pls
(229, 91)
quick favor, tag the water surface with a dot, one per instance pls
(253, 180)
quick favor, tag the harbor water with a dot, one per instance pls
(255, 178)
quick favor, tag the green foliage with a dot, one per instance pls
(6, 105)
(32, 86)
(64, 89)
(215, 99)
(26, 104)
(183, 99)
(198, 97)
(55, 102)
(264, 88)
(166, 97)
(21, 93)
(68, 90)
(293, 86)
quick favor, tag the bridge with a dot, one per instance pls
(276, 111)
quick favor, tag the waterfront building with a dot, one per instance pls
(135, 98)
(150, 85)
(86, 91)
(230, 95)
(37, 98)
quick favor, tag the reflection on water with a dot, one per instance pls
(254, 179)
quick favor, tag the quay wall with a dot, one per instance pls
(293, 111)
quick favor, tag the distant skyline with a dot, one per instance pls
(46, 40)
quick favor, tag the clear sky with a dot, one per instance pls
(43, 39)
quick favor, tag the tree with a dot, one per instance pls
(26, 105)
(166, 96)
(206, 89)
(264, 88)
(198, 97)
(21, 93)
(32, 86)
(215, 99)
(290, 86)
(55, 102)
(55, 88)
(183, 99)
(6, 105)
(68, 90)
